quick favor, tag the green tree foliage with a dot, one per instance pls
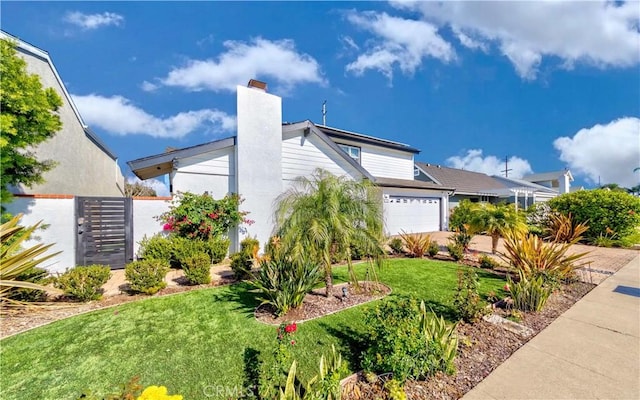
(496, 220)
(321, 216)
(461, 215)
(27, 119)
(607, 212)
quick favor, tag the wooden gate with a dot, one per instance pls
(104, 231)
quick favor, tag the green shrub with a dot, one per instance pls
(147, 276)
(603, 210)
(241, 265)
(183, 248)
(461, 215)
(487, 262)
(84, 283)
(158, 247)
(433, 248)
(530, 293)
(405, 340)
(462, 238)
(250, 246)
(34, 275)
(467, 302)
(456, 251)
(283, 283)
(217, 248)
(197, 269)
(396, 245)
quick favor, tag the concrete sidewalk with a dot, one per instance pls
(592, 351)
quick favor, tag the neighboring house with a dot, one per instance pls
(84, 164)
(560, 181)
(473, 186)
(266, 155)
(522, 193)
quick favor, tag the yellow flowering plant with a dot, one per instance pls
(157, 393)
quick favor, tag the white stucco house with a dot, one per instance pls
(265, 155)
(85, 166)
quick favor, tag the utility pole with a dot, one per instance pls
(506, 167)
(324, 113)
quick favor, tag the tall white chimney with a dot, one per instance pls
(258, 157)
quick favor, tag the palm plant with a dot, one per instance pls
(497, 220)
(321, 216)
(14, 260)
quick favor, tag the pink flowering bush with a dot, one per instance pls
(202, 217)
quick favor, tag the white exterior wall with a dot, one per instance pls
(59, 215)
(213, 172)
(83, 168)
(387, 163)
(258, 160)
(144, 221)
(383, 162)
(302, 155)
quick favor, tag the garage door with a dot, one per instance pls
(411, 214)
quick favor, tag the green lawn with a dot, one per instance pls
(196, 343)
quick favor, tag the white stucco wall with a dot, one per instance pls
(82, 168)
(302, 155)
(59, 215)
(144, 221)
(258, 159)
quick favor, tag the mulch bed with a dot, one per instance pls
(316, 304)
(483, 347)
(15, 320)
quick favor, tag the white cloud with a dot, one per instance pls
(608, 153)
(600, 33)
(149, 86)
(271, 61)
(119, 116)
(467, 41)
(401, 42)
(157, 185)
(490, 165)
(93, 21)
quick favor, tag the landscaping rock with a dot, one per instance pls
(509, 325)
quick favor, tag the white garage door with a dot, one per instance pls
(411, 214)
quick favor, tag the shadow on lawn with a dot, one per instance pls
(239, 298)
(348, 338)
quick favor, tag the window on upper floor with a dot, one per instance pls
(352, 151)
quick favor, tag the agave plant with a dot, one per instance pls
(14, 260)
(533, 257)
(442, 335)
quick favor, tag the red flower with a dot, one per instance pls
(507, 288)
(291, 328)
(167, 227)
(293, 342)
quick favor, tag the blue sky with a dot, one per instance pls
(551, 85)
